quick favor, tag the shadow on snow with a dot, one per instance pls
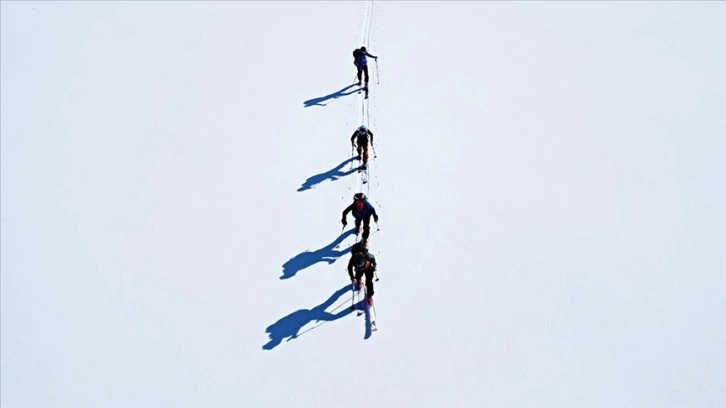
(332, 175)
(306, 259)
(334, 95)
(290, 325)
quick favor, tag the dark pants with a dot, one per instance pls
(363, 152)
(366, 226)
(363, 69)
(369, 279)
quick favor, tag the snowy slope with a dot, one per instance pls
(549, 182)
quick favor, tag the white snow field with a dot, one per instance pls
(550, 179)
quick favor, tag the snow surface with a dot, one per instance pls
(550, 179)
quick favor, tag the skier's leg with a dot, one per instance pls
(365, 70)
(357, 225)
(360, 71)
(358, 276)
(369, 282)
(365, 153)
(366, 227)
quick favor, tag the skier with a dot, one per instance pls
(361, 63)
(364, 263)
(360, 137)
(362, 211)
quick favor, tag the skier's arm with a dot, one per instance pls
(350, 268)
(373, 213)
(371, 55)
(371, 135)
(372, 259)
(345, 214)
(353, 137)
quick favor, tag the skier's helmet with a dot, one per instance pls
(363, 128)
(360, 262)
(363, 48)
(359, 196)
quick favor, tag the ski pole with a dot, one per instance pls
(360, 294)
(378, 77)
(352, 299)
(374, 151)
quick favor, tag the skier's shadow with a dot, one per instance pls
(318, 101)
(290, 325)
(332, 175)
(305, 259)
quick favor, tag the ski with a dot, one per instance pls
(371, 309)
(357, 292)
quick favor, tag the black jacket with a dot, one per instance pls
(362, 137)
(369, 265)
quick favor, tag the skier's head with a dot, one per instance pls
(359, 205)
(362, 128)
(359, 196)
(363, 48)
(359, 262)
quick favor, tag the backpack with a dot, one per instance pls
(362, 137)
(356, 53)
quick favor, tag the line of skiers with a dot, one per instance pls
(362, 263)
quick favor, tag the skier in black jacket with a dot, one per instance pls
(360, 140)
(364, 263)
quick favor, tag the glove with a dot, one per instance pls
(344, 222)
(375, 218)
(375, 58)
